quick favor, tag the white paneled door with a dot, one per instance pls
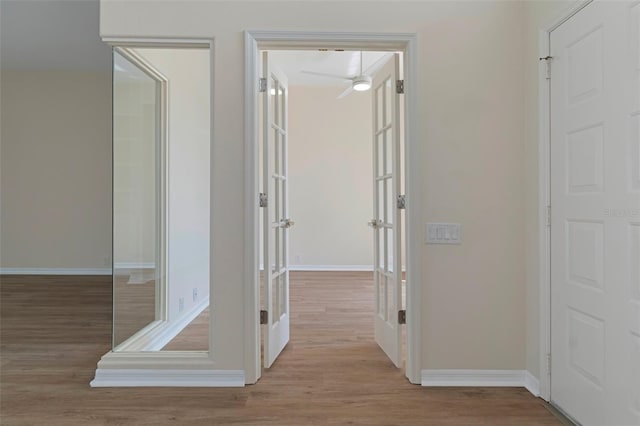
(386, 215)
(276, 220)
(595, 220)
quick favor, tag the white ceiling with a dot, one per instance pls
(52, 35)
(331, 62)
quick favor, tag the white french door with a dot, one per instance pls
(595, 221)
(386, 214)
(276, 220)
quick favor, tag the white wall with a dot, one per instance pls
(55, 138)
(471, 68)
(55, 170)
(474, 301)
(330, 178)
(55, 151)
(188, 175)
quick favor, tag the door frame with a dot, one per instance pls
(407, 43)
(544, 195)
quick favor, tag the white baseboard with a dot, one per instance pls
(55, 271)
(74, 271)
(175, 327)
(532, 383)
(481, 378)
(134, 265)
(159, 334)
(179, 378)
(331, 267)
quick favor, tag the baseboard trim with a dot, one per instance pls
(532, 384)
(159, 334)
(55, 271)
(75, 271)
(174, 328)
(481, 378)
(167, 378)
(354, 268)
(133, 265)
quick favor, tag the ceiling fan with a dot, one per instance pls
(360, 82)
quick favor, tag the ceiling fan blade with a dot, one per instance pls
(322, 74)
(373, 68)
(345, 93)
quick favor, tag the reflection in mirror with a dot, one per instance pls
(161, 175)
(135, 145)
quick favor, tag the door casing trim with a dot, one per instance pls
(405, 42)
(544, 195)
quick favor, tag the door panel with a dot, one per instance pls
(386, 221)
(595, 207)
(275, 214)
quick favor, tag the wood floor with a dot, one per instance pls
(194, 337)
(54, 330)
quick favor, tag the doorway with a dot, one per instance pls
(272, 41)
(317, 153)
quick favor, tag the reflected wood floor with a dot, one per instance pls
(134, 304)
(54, 330)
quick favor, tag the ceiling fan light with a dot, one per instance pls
(362, 83)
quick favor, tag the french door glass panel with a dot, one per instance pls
(386, 184)
(275, 214)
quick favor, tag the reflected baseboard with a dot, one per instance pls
(139, 273)
(158, 334)
(134, 265)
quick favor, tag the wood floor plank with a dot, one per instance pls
(53, 331)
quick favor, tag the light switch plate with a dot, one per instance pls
(443, 233)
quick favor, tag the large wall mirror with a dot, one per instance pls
(161, 199)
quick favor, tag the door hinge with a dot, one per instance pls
(547, 60)
(264, 317)
(374, 223)
(400, 87)
(401, 202)
(549, 364)
(402, 317)
(262, 199)
(262, 85)
(548, 216)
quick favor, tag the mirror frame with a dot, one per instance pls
(146, 339)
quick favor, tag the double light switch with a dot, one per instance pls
(444, 233)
